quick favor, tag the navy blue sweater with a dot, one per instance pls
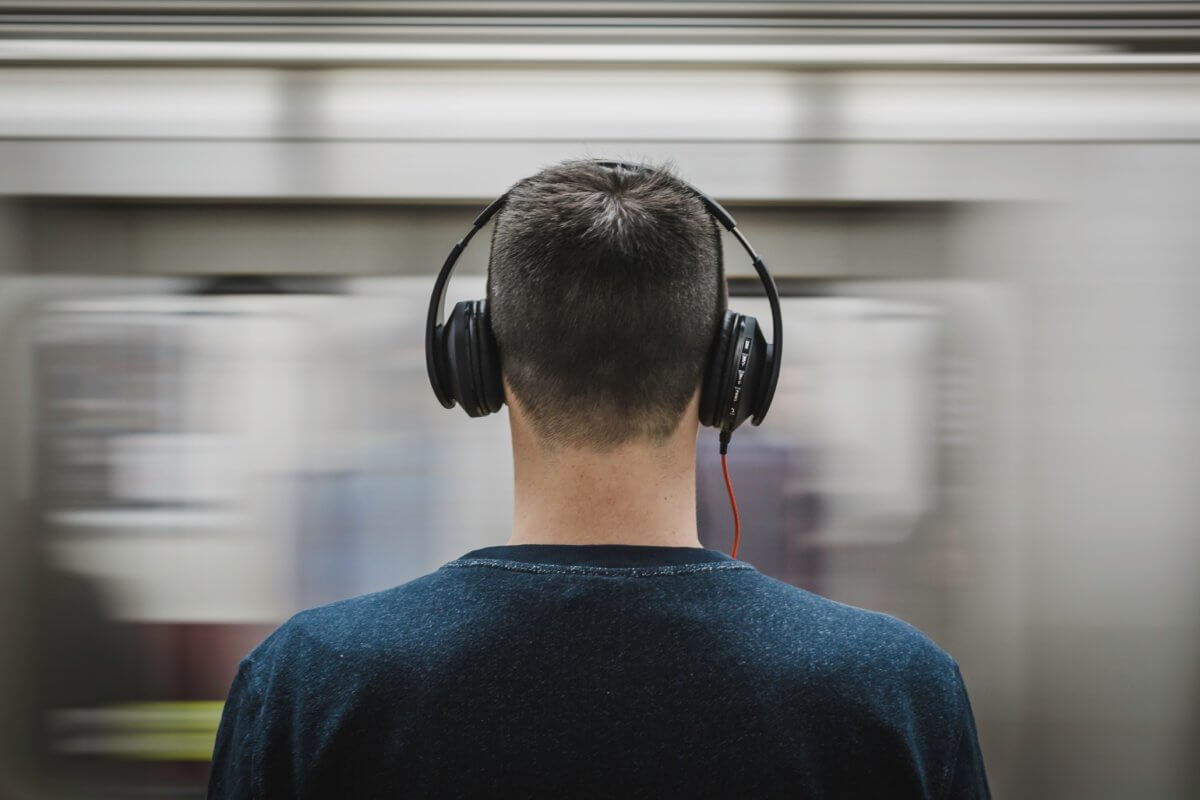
(596, 671)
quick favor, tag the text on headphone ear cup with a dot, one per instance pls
(743, 387)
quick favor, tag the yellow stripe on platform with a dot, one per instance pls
(160, 731)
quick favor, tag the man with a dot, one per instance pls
(601, 652)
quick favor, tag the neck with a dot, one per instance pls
(639, 493)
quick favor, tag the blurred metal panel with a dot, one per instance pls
(420, 104)
(589, 105)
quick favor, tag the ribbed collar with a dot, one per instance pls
(599, 555)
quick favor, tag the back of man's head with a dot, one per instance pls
(605, 290)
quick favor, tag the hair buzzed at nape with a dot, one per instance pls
(605, 291)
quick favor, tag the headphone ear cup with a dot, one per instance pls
(718, 363)
(733, 381)
(491, 381)
(472, 359)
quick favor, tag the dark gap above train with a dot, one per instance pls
(73, 236)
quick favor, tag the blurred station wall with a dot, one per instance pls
(999, 196)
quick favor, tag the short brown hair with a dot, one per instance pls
(605, 290)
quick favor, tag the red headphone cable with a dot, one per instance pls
(737, 520)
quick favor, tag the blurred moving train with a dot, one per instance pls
(211, 461)
(218, 228)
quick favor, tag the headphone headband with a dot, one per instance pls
(436, 315)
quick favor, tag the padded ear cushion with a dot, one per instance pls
(472, 399)
(491, 384)
(458, 357)
(715, 371)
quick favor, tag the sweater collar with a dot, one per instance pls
(599, 555)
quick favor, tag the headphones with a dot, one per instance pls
(739, 379)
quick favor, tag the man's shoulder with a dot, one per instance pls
(351, 631)
(870, 646)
